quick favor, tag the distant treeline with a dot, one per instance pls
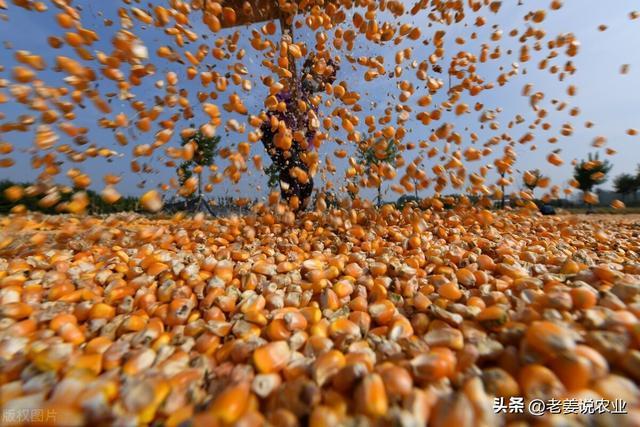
(97, 206)
(32, 201)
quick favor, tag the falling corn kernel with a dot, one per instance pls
(151, 201)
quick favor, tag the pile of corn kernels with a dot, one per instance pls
(347, 317)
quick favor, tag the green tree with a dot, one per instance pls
(203, 155)
(625, 184)
(503, 166)
(273, 173)
(371, 157)
(419, 164)
(406, 199)
(351, 187)
(591, 173)
(532, 179)
(31, 200)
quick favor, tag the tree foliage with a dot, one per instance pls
(32, 201)
(532, 179)
(273, 173)
(371, 156)
(206, 148)
(591, 172)
(406, 199)
(625, 184)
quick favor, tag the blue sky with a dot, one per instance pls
(604, 96)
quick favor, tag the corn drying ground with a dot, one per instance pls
(347, 317)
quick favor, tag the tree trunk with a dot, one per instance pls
(502, 198)
(379, 195)
(589, 206)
